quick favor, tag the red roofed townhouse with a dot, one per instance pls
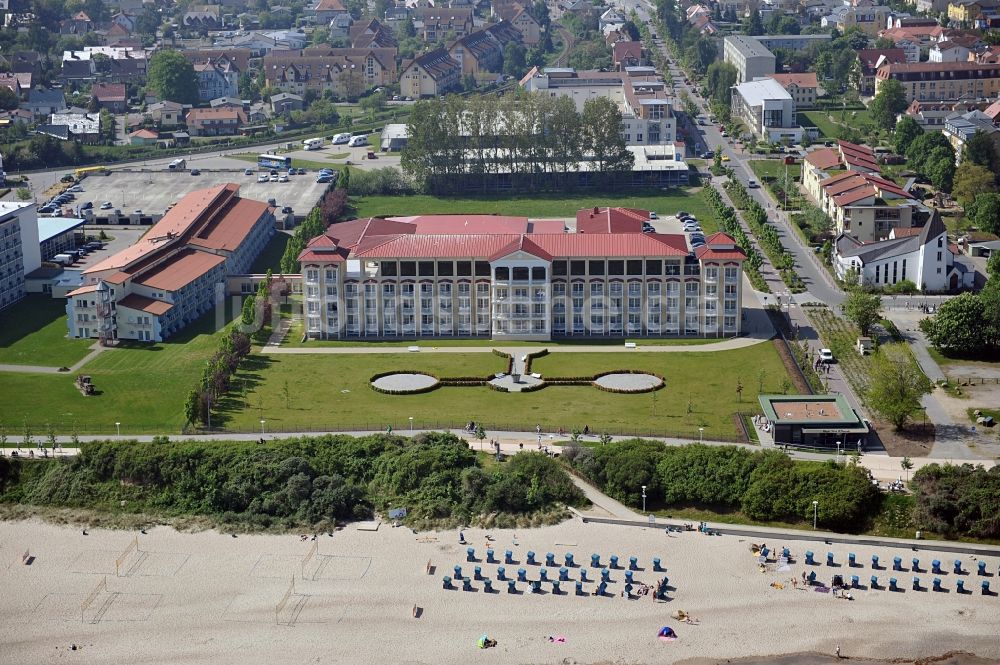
(220, 121)
(513, 278)
(627, 54)
(175, 272)
(802, 87)
(110, 96)
(430, 75)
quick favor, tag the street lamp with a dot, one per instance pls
(411, 425)
(262, 421)
(815, 512)
(118, 428)
(838, 451)
(701, 435)
(643, 498)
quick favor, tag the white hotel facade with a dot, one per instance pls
(448, 276)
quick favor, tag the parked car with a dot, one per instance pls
(725, 158)
(300, 171)
(195, 172)
(87, 206)
(752, 184)
(825, 356)
(282, 178)
(681, 214)
(106, 205)
(322, 178)
(247, 171)
(137, 211)
(274, 177)
(653, 215)
(263, 177)
(286, 210)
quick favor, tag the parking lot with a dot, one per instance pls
(153, 192)
(118, 239)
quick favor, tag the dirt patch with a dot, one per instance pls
(915, 441)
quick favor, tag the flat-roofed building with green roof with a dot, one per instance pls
(819, 421)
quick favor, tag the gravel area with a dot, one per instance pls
(403, 382)
(629, 382)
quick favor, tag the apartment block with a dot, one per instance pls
(511, 278)
(19, 249)
(750, 58)
(767, 109)
(930, 81)
(639, 92)
(173, 275)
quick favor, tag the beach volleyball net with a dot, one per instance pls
(128, 559)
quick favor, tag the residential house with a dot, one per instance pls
(125, 21)
(202, 17)
(19, 84)
(236, 58)
(967, 12)
(627, 54)
(477, 53)
(74, 124)
(640, 94)
(948, 51)
(345, 72)
(802, 87)
(227, 102)
(223, 121)
(43, 102)
(767, 109)
(508, 278)
(611, 19)
(78, 24)
(171, 277)
(143, 137)
(326, 10)
(919, 255)
(867, 64)
(372, 34)
(943, 80)
(19, 116)
(959, 128)
(340, 26)
(932, 115)
(503, 33)
(870, 19)
(110, 96)
(519, 17)
(440, 24)
(705, 26)
(932, 6)
(430, 75)
(166, 113)
(286, 102)
(259, 113)
(217, 78)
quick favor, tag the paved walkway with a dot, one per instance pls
(614, 508)
(95, 351)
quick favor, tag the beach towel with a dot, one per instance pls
(777, 585)
(558, 639)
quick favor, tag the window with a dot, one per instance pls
(446, 269)
(312, 275)
(502, 274)
(597, 268)
(408, 269)
(388, 268)
(654, 267)
(538, 273)
(711, 274)
(578, 267)
(520, 274)
(425, 268)
(559, 268)
(634, 266)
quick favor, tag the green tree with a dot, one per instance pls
(984, 213)
(906, 464)
(720, 77)
(907, 130)
(863, 310)
(895, 385)
(971, 180)
(981, 150)
(171, 76)
(940, 168)
(8, 99)
(888, 103)
(960, 326)
(601, 124)
(753, 25)
(407, 29)
(921, 147)
(148, 22)
(514, 60)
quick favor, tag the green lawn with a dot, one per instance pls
(831, 128)
(271, 256)
(551, 205)
(775, 168)
(143, 386)
(33, 332)
(317, 385)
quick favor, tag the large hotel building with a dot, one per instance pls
(511, 278)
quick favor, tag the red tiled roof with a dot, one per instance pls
(610, 220)
(521, 243)
(858, 155)
(323, 249)
(228, 230)
(802, 80)
(622, 50)
(182, 268)
(853, 196)
(465, 224)
(144, 134)
(706, 253)
(83, 289)
(824, 158)
(832, 187)
(902, 232)
(144, 304)
(108, 92)
(869, 57)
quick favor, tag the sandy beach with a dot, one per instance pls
(210, 598)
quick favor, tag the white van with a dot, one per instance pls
(341, 139)
(313, 144)
(357, 141)
(64, 259)
(177, 165)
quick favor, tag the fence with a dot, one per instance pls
(974, 380)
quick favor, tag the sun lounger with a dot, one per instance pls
(809, 558)
(550, 559)
(564, 574)
(985, 586)
(511, 586)
(508, 557)
(656, 564)
(982, 568)
(583, 575)
(628, 576)
(602, 589)
(936, 567)
(579, 588)
(633, 563)
(477, 573)
(937, 584)
(875, 561)
(502, 574)
(569, 560)
(488, 586)
(531, 558)
(595, 560)
(892, 584)
(447, 583)
(466, 584)
(543, 575)
(555, 587)
(915, 565)
(536, 587)
(958, 567)
(829, 559)
(855, 581)
(522, 575)
(605, 575)
(458, 572)
(614, 561)
(873, 582)
(960, 586)
(852, 560)
(489, 556)
(897, 563)
(470, 554)
(916, 584)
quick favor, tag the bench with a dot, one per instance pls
(629, 345)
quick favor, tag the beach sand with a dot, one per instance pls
(210, 598)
